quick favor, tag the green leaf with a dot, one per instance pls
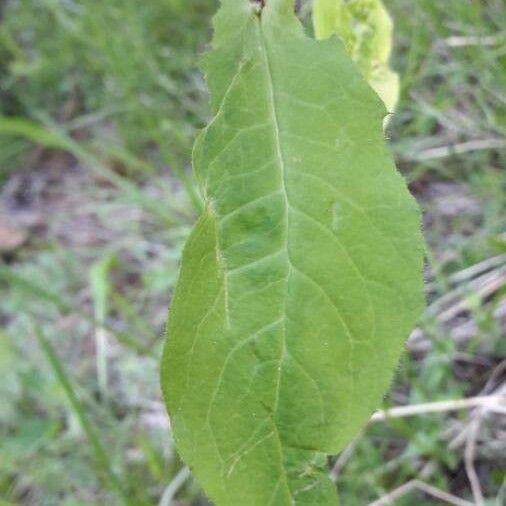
(365, 27)
(301, 279)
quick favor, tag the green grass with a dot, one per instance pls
(99, 106)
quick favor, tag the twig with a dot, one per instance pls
(494, 282)
(472, 272)
(474, 40)
(423, 487)
(440, 494)
(343, 459)
(481, 405)
(392, 496)
(479, 411)
(458, 149)
(479, 268)
(469, 457)
(494, 383)
(174, 486)
(453, 303)
(419, 343)
(490, 402)
(445, 308)
(469, 435)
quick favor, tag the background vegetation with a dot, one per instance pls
(99, 105)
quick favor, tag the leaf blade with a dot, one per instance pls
(266, 356)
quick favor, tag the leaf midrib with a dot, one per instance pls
(284, 190)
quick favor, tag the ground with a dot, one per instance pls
(95, 205)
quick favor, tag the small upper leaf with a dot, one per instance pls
(301, 279)
(365, 27)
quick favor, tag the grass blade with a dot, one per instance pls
(52, 136)
(100, 290)
(98, 449)
(37, 292)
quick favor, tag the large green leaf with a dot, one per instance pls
(301, 279)
(365, 28)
